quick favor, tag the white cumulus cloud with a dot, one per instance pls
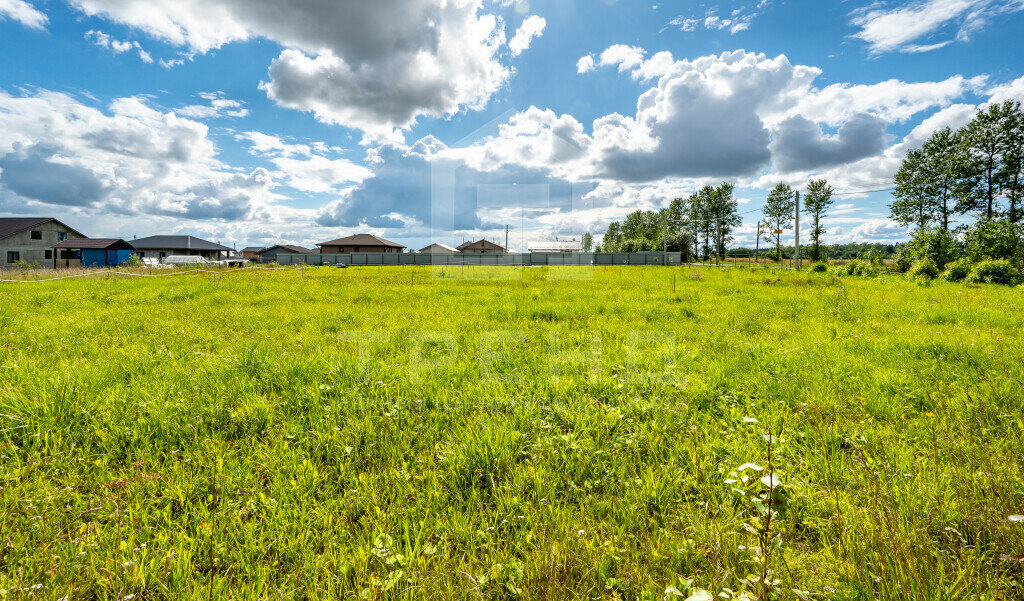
(626, 57)
(128, 160)
(532, 27)
(306, 167)
(22, 12)
(374, 66)
(585, 64)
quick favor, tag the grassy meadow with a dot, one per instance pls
(504, 433)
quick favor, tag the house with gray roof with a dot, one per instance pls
(161, 247)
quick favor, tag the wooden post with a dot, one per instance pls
(796, 258)
(664, 241)
(718, 233)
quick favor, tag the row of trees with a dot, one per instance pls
(780, 214)
(976, 170)
(700, 225)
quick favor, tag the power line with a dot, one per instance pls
(851, 193)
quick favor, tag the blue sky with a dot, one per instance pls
(258, 121)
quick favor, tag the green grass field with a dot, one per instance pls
(533, 434)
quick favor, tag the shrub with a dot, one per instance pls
(133, 261)
(957, 270)
(860, 267)
(679, 242)
(637, 245)
(903, 258)
(819, 267)
(995, 271)
(875, 257)
(936, 244)
(924, 269)
(995, 240)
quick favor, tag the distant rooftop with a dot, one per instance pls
(177, 243)
(361, 240)
(295, 249)
(483, 242)
(12, 225)
(95, 244)
(442, 245)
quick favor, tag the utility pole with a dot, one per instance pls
(796, 260)
(757, 243)
(506, 238)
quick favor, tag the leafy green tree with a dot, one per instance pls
(935, 244)
(588, 242)
(642, 224)
(699, 215)
(778, 214)
(817, 203)
(639, 231)
(682, 228)
(936, 182)
(1012, 173)
(946, 169)
(675, 215)
(911, 202)
(987, 140)
(611, 237)
(995, 239)
(723, 212)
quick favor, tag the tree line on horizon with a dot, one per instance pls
(976, 171)
(702, 225)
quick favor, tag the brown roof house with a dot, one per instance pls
(93, 252)
(251, 253)
(31, 239)
(482, 247)
(360, 243)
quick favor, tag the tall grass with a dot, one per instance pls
(231, 437)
